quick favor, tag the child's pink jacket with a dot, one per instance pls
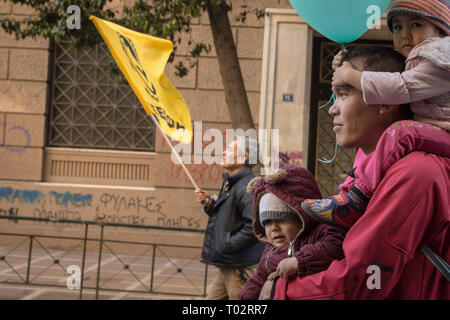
(425, 84)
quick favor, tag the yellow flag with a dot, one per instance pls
(142, 59)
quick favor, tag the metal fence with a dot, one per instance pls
(155, 269)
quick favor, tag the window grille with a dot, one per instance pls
(89, 108)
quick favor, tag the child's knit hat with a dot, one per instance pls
(281, 194)
(273, 208)
(436, 12)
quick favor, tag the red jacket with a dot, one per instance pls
(410, 209)
(314, 253)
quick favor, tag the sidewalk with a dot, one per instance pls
(178, 278)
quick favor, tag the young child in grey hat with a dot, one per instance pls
(296, 243)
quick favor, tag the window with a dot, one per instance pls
(89, 109)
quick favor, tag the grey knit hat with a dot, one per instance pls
(273, 208)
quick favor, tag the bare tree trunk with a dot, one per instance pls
(230, 70)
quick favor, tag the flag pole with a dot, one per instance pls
(174, 151)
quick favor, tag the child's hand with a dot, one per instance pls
(287, 267)
(338, 59)
(341, 75)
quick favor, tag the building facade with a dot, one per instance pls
(76, 145)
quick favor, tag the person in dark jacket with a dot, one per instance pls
(229, 242)
(296, 244)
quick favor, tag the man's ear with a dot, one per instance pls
(386, 108)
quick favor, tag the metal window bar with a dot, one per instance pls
(34, 238)
(179, 270)
(88, 108)
(54, 259)
(125, 266)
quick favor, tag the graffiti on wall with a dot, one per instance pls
(10, 212)
(200, 173)
(292, 158)
(116, 208)
(20, 130)
(112, 207)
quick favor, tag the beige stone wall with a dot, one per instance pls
(23, 88)
(24, 158)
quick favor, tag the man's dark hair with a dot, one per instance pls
(378, 58)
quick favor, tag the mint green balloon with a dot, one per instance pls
(341, 21)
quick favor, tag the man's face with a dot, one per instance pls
(354, 122)
(230, 157)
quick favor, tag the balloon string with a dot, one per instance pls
(323, 160)
(333, 98)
